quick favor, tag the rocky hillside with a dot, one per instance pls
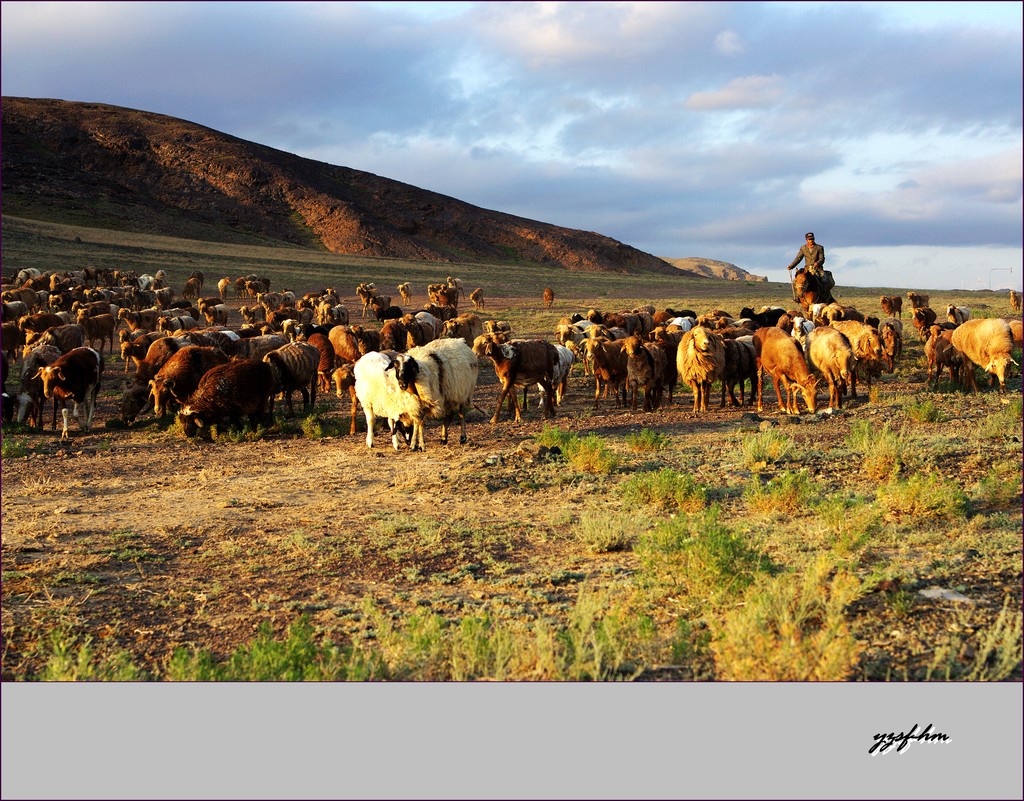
(120, 168)
(709, 268)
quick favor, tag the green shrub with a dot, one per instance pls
(882, 452)
(922, 498)
(667, 489)
(766, 447)
(647, 440)
(591, 454)
(791, 628)
(555, 437)
(926, 412)
(602, 532)
(788, 493)
(697, 555)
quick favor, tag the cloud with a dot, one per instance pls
(729, 127)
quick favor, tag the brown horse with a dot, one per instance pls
(809, 289)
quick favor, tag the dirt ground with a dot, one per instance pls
(150, 541)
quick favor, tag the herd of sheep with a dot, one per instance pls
(413, 368)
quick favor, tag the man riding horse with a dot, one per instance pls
(812, 282)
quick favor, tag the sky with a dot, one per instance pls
(716, 130)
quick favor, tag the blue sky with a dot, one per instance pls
(719, 130)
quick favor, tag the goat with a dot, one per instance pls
(31, 399)
(923, 317)
(406, 292)
(344, 379)
(74, 376)
(1015, 301)
(892, 305)
(477, 296)
(957, 314)
(466, 327)
(608, 361)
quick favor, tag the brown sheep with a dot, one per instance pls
(99, 327)
(522, 362)
(406, 292)
(549, 297)
(867, 347)
(295, 368)
(740, 366)
(344, 379)
(891, 331)
(610, 368)
(831, 354)
(780, 356)
(242, 387)
(75, 376)
(477, 296)
(1014, 301)
(987, 343)
(180, 375)
(892, 305)
(257, 347)
(916, 300)
(923, 318)
(466, 327)
(345, 344)
(645, 370)
(700, 362)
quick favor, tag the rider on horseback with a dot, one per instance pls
(813, 255)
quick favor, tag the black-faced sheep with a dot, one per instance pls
(380, 396)
(240, 388)
(442, 376)
(987, 343)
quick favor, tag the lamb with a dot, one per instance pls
(441, 376)
(779, 355)
(134, 346)
(242, 387)
(181, 374)
(522, 362)
(477, 296)
(645, 370)
(740, 366)
(466, 327)
(831, 354)
(76, 375)
(867, 347)
(700, 361)
(957, 314)
(295, 368)
(987, 343)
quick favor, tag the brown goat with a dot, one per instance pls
(522, 362)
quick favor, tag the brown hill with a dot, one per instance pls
(709, 268)
(120, 168)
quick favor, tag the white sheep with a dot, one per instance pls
(380, 396)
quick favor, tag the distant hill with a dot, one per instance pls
(118, 168)
(709, 268)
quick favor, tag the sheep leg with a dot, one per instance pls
(370, 419)
(505, 386)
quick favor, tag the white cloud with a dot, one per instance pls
(729, 43)
(750, 91)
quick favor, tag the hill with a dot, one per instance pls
(709, 268)
(113, 167)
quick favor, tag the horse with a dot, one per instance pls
(809, 289)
